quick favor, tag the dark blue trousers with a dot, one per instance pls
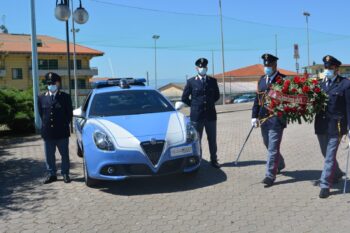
(210, 129)
(50, 150)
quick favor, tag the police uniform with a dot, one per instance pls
(200, 93)
(332, 123)
(271, 126)
(56, 113)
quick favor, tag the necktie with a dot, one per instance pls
(267, 80)
(52, 98)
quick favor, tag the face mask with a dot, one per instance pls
(202, 71)
(52, 88)
(329, 73)
(268, 71)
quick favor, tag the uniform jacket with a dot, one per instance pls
(56, 115)
(336, 116)
(201, 97)
(259, 108)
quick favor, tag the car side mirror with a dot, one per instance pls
(179, 105)
(78, 113)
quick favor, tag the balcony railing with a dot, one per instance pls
(64, 71)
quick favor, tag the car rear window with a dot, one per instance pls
(131, 102)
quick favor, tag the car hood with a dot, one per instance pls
(169, 126)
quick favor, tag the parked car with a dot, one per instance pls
(126, 129)
(245, 98)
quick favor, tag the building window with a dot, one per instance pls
(81, 83)
(45, 64)
(78, 64)
(53, 64)
(17, 73)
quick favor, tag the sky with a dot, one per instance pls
(190, 29)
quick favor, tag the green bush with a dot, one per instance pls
(17, 110)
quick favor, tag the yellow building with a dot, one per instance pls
(318, 69)
(16, 61)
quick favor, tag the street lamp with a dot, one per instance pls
(223, 55)
(307, 15)
(155, 37)
(80, 16)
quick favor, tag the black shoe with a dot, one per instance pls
(66, 178)
(268, 182)
(215, 164)
(49, 179)
(338, 178)
(280, 169)
(324, 193)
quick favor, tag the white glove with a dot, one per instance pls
(255, 123)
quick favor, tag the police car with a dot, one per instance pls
(126, 129)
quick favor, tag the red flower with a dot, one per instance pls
(279, 80)
(279, 114)
(294, 90)
(317, 90)
(315, 82)
(285, 89)
(303, 80)
(296, 80)
(306, 89)
(287, 83)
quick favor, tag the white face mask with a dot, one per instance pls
(329, 73)
(52, 88)
(202, 71)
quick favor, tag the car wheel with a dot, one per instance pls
(79, 150)
(88, 181)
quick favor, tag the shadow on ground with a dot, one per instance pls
(206, 176)
(299, 176)
(17, 178)
(244, 163)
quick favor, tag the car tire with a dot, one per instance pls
(88, 181)
(79, 151)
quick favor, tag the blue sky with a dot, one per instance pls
(125, 33)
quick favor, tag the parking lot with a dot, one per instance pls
(228, 200)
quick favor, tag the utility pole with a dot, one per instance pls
(276, 48)
(155, 37)
(307, 15)
(35, 76)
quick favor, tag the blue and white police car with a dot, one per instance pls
(126, 129)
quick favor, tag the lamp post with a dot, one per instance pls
(155, 37)
(80, 16)
(307, 15)
(223, 55)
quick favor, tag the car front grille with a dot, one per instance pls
(153, 150)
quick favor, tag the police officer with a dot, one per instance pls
(201, 93)
(333, 122)
(271, 126)
(55, 109)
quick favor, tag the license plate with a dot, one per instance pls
(184, 150)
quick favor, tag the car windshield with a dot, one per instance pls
(133, 102)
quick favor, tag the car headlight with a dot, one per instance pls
(102, 141)
(191, 133)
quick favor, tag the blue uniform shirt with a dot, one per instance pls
(336, 116)
(56, 115)
(259, 108)
(201, 96)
